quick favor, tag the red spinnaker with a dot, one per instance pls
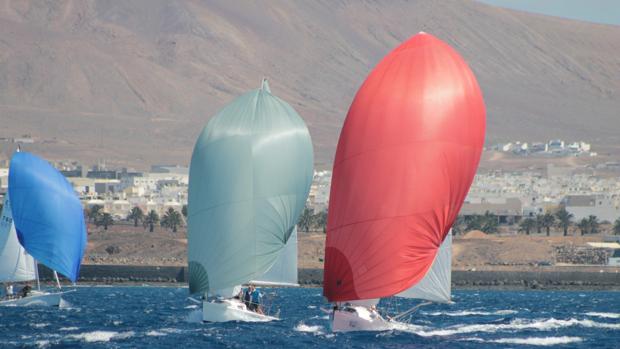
(407, 155)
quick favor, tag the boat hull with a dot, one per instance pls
(231, 310)
(358, 319)
(40, 299)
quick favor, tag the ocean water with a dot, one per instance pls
(162, 317)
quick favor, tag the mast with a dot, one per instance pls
(57, 280)
(36, 273)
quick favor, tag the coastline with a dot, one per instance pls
(308, 277)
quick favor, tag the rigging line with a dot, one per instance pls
(413, 309)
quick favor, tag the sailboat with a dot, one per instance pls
(45, 216)
(405, 160)
(250, 176)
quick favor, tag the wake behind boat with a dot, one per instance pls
(250, 176)
(42, 220)
(395, 194)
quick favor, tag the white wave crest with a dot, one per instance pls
(101, 336)
(194, 316)
(155, 334)
(540, 341)
(40, 325)
(68, 329)
(316, 329)
(604, 315)
(470, 312)
(42, 343)
(515, 325)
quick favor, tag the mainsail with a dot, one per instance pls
(406, 157)
(436, 285)
(48, 216)
(250, 175)
(15, 264)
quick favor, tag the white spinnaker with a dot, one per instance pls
(436, 284)
(15, 264)
(284, 271)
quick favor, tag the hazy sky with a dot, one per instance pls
(599, 11)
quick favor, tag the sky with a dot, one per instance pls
(597, 11)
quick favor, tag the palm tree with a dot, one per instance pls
(136, 215)
(617, 227)
(539, 223)
(583, 226)
(172, 219)
(594, 224)
(527, 225)
(151, 220)
(104, 219)
(94, 212)
(474, 222)
(320, 221)
(458, 225)
(305, 220)
(490, 223)
(564, 219)
(547, 222)
(184, 211)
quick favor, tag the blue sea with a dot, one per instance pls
(162, 317)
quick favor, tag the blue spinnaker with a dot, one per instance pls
(48, 216)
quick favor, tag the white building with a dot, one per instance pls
(582, 206)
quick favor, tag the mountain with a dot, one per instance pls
(133, 82)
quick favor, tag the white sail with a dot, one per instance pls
(284, 271)
(436, 284)
(15, 264)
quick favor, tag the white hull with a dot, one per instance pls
(358, 319)
(231, 310)
(36, 298)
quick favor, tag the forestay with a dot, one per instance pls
(15, 264)
(250, 175)
(48, 216)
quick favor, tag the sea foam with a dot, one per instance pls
(515, 325)
(315, 329)
(537, 341)
(604, 315)
(470, 313)
(101, 336)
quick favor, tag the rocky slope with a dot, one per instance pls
(95, 80)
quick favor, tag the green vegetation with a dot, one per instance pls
(593, 224)
(526, 225)
(104, 219)
(151, 219)
(172, 219)
(564, 219)
(617, 227)
(547, 222)
(136, 215)
(308, 221)
(583, 226)
(487, 223)
(94, 212)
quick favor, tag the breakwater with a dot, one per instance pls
(573, 279)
